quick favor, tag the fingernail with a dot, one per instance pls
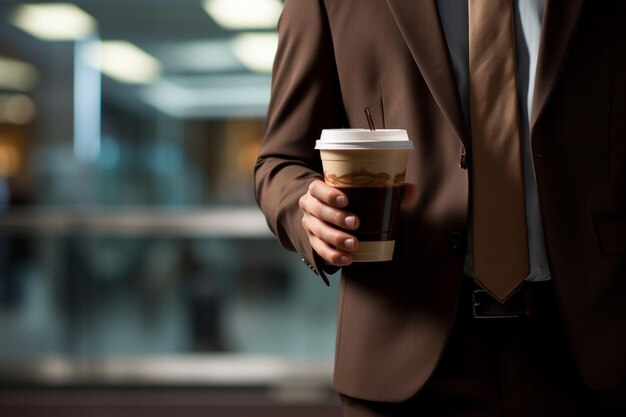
(340, 201)
(349, 243)
(351, 221)
(345, 260)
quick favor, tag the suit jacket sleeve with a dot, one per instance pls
(305, 99)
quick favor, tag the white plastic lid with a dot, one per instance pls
(363, 139)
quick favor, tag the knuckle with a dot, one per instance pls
(320, 247)
(305, 206)
(319, 209)
(339, 218)
(321, 190)
(312, 226)
(336, 237)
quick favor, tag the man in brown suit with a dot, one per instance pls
(412, 338)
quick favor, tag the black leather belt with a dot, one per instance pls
(530, 300)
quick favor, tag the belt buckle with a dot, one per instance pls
(480, 297)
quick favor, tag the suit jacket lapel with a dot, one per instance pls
(559, 22)
(421, 28)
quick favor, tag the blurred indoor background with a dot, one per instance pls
(137, 275)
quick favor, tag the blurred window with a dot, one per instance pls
(128, 227)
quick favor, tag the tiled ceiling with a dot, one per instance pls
(186, 41)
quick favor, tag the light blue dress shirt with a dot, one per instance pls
(528, 20)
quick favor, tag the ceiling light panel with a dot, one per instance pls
(239, 98)
(16, 108)
(17, 75)
(199, 56)
(54, 21)
(125, 62)
(256, 50)
(244, 14)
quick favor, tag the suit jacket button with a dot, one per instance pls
(311, 267)
(456, 241)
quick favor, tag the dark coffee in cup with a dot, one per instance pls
(379, 208)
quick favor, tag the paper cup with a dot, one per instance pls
(369, 167)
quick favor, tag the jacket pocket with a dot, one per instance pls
(611, 229)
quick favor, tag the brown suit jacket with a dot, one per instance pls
(337, 56)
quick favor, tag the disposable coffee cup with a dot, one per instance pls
(369, 166)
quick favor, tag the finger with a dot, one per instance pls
(315, 207)
(330, 254)
(327, 194)
(330, 235)
(409, 197)
(334, 216)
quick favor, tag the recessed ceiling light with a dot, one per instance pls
(256, 50)
(54, 21)
(16, 109)
(244, 14)
(17, 75)
(199, 56)
(233, 96)
(125, 62)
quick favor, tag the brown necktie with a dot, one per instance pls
(500, 239)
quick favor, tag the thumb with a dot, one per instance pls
(409, 197)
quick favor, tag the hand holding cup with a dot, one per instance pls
(328, 224)
(364, 175)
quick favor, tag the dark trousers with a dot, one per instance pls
(518, 367)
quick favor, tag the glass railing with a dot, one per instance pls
(155, 296)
